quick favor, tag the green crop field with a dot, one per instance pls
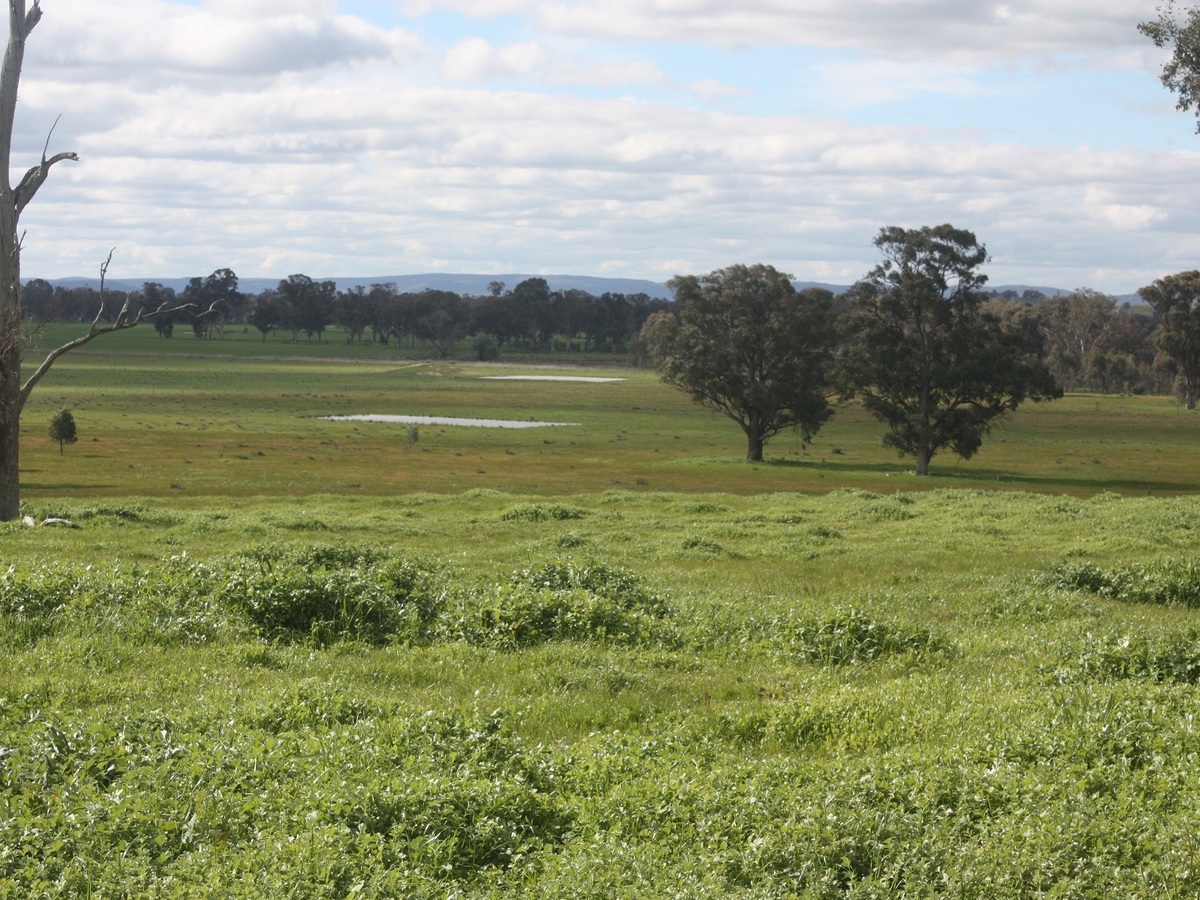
(282, 656)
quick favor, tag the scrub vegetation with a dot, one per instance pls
(282, 656)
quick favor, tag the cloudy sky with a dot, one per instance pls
(638, 138)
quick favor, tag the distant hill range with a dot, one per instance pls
(472, 285)
(478, 285)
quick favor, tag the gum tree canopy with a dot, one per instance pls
(1176, 301)
(923, 354)
(1179, 29)
(13, 200)
(754, 349)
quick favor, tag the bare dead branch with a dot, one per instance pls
(122, 321)
(36, 177)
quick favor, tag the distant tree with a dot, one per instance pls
(531, 308)
(37, 300)
(1076, 326)
(927, 360)
(497, 316)
(62, 429)
(268, 312)
(444, 324)
(495, 288)
(753, 349)
(1176, 301)
(485, 348)
(653, 343)
(309, 304)
(352, 312)
(156, 296)
(1178, 28)
(380, 300)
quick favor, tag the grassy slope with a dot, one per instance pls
(1025, 754)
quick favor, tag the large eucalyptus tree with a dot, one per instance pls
(924, 355)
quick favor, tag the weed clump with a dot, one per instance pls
(1171, 657)
(1171, 582)
(331, 594)
(849, 635)
(588, 602)
(541, 512)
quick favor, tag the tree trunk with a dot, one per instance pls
(754, 446)
(10, 431)
(923, 460)
(10, 349)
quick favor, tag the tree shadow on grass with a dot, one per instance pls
(987, 478)
(63, 486)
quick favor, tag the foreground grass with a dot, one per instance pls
(620, 693)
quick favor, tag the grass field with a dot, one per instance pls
(289, 657)
(206, 418)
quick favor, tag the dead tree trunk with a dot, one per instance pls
(13, 393)
(20, 23)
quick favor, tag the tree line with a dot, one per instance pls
(530, 316)
(1089, 340)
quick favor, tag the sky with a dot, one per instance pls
(622, 138)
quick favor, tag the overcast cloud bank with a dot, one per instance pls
(624, 138)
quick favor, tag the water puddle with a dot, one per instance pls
(445, 420)
(586, 379)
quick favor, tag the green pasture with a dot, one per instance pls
(286, 657)
(185, 417)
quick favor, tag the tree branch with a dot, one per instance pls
(122, 321)
(37, 176)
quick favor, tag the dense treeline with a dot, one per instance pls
(1090, 341)
(530, 315)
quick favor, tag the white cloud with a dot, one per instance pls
(924, 29)
(476, 59)
(158, 40)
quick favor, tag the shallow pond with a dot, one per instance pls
(445, 420)
(587, 379)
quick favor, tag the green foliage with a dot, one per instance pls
(330, 594)
(666, 723)
(383, 801)
(1172, 657)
